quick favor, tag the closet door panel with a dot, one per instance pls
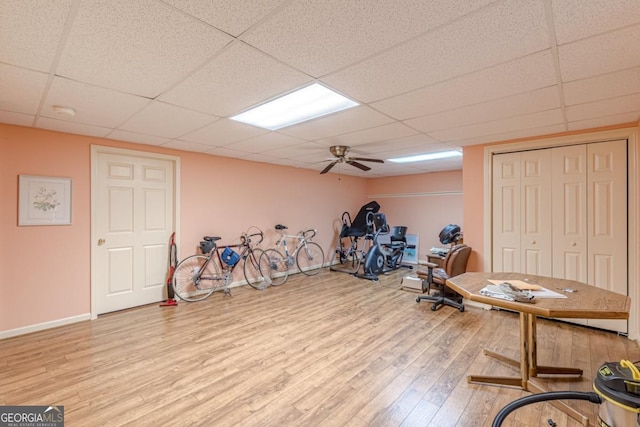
(535, 238)
(506, 212)
(569, 213)
(607, 223)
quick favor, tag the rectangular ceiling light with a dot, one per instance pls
(303, 104)
(429, 156)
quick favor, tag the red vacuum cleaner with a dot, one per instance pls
(173, 262)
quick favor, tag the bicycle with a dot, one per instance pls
(308, 256)
(198, 276)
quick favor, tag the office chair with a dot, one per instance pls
(454, 263)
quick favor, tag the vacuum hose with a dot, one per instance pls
(542, 397)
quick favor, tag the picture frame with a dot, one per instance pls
(44, 200)
(411, 251)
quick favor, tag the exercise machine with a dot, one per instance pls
(382, 258)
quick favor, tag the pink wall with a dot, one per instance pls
(46, 269)
(424, 203)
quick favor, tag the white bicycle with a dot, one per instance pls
(308, 256)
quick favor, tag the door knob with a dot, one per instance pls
(533, 242)
(573, 243)
(101, 242)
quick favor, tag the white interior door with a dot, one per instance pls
(133, 204)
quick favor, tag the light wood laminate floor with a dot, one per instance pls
(329, 350)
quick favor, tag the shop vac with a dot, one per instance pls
(616, 389)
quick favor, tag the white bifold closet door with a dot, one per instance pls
(562, 212)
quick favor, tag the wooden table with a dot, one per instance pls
(587, 302)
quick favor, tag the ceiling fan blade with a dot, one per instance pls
(362, 159)
(329, 166)
(358, 165)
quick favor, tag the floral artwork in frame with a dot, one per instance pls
(44, 200)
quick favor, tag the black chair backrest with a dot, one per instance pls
(359, 226)
(398, 234)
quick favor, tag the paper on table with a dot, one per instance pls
(524, 286)
(536, 290)
(546, 293)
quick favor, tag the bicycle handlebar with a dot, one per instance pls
(309, 230)
(246, 238)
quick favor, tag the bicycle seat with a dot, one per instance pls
(211, 239)
(281, 227)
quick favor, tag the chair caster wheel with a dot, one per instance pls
(434, 308)
(461, 309)
(417, 299)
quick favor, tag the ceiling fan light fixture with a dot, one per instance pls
(429, 156)
(304, 104)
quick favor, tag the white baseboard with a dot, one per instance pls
(42, 326)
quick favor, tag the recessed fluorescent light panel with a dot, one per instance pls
(423, 157)
(304, 104)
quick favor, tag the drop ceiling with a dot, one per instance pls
(429, 75)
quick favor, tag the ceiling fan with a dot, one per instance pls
(340, 153)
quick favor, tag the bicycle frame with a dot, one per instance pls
(227, 270)
(302, 241)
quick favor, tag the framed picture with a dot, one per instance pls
(411, 251)
(44, 200)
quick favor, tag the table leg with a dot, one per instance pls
(534, 368)
(529, 368)
(523, 363)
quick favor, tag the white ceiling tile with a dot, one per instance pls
(632, 117)
(265, 142)
(617, 50)
(237, 79)
(226, 152)
(302, 153)
(323, 36)
(378, 133)
(144, 46)
(231, 16)
(602, 87)
(527, 121)
(223, 132)
(19, 119)
(166, 120)
(401, 146)
(497, 34)
(30, 31)
(607, 107)
(515, 105)
(71, 127)
(517, 76)
(339, 123)
(20, 89)
(177, 144)
(93, 105)
(123, 135)
(577, 19)
(505, 136)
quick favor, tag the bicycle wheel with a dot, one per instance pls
(310, 258)
(192, 283)
(346, 262)
(251, 270)
(274, 265)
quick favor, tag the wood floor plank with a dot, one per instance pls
(329, 350)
